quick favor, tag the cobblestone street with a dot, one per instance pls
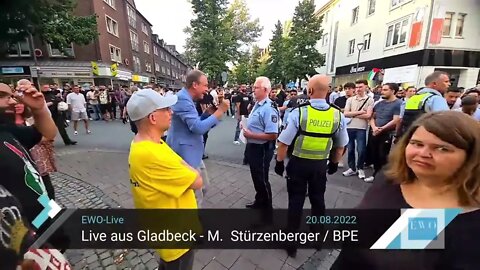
(99, 179)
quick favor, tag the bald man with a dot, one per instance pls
(314, 134)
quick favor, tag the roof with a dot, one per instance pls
(325, 7)
(143, 17)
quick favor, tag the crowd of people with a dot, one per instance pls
(423, 144)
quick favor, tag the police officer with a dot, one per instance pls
(261, 132)
(315, 133)
(429, 99)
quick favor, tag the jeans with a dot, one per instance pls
(237, 131)
(356, 137)
(96, 111)
(200, 193)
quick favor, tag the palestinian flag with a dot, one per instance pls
(372, 74)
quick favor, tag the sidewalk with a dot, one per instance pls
(99, 179)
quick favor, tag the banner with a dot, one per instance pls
(114, 69)
(249, 229)
(417, 27)
(94, 68)
(438, 19)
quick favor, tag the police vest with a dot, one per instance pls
(414, 108)
(314, 139)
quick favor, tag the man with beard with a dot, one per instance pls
(19, 175)
(52, 99)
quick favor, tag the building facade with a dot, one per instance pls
(125, 40)
(401, 41)
(170, 69)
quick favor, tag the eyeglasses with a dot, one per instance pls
(258, 87)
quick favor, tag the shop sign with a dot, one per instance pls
(124, 75)
(64, 74)
(353, 69)
(12, 70)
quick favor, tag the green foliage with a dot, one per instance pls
(302, 56)
(216, 34)
(275, 69)
(241, 72)
(51, 20)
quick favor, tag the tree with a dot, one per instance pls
(244, 30)
(52, 21)
(302, 55)
(254, 63)
(278, 44)
(241, 72)
(216, 34)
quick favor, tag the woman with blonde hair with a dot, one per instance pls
(436, 164)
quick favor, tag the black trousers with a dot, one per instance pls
(185, 262)
(259, 157)
(379, 147)
(205, 138)
(303, 174)
(60, 123)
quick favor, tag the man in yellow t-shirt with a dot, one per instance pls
(159, 177)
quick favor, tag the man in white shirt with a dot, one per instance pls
(77, 106)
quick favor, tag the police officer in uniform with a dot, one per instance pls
(429, 99)
(317, 135)
(261, 133)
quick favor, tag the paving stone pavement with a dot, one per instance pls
(96, 178)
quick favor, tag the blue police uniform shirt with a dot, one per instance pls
(263, 119)
(434, 104)
(340, 138)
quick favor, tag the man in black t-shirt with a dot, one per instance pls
(242, 100)
(19, 175)
(349, 89)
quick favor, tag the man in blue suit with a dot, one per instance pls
(185, 135)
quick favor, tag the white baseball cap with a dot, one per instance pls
(146, 101)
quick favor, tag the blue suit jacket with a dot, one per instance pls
(185, 135)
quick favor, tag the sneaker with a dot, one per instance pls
(340, 165)
(89, 132)
(233, 116)
(361, 174)
(236, 142)
(369, 179)
(68, 121)
(75, 132)
(349, 172)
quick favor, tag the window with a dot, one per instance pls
(132, 16)
(397, 33)
(163, 70)
(460, 22)
(144, 29)
(148, 67)
(112, 26)
(115, 54)
(18, 49)
(366, 41)
(325, 17)
(136, 64)
(167, 58)
(371, 7)
(351, 46)
(162, 55)
(157, 67)
(325, 40)
(110, 3)
(355, 15)
(134, 40)
(146, 47)
(56, 52)
(397, 3)
(169, 72)
(447, 24)
(155, 50)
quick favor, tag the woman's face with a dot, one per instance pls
(429, 156)
(19, 108)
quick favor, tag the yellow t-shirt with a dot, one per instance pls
(161, 179)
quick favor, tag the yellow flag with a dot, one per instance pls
(114, 69)
(94, 68)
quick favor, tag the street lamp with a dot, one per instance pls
(359, 48)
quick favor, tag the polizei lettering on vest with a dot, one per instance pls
(320, 123)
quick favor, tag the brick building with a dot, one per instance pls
(125, 38)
